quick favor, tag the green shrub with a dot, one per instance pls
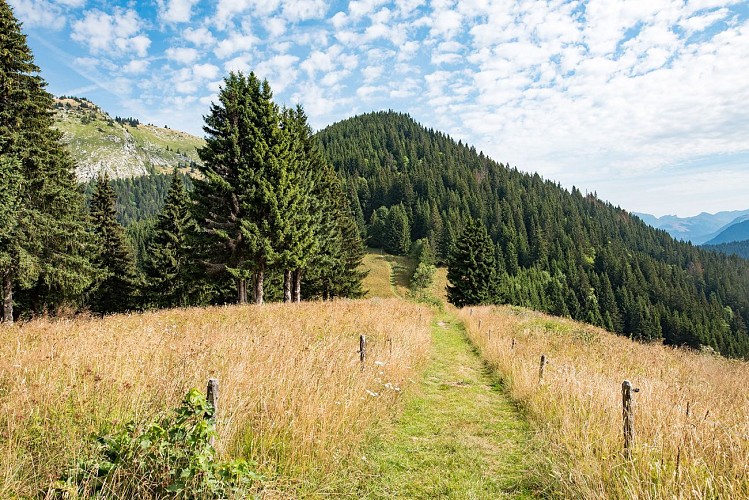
(170, 458)
(423, 276)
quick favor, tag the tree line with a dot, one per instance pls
(267, 218)
(511, 237)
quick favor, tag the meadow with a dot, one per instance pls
(691, 412)
(293, 397)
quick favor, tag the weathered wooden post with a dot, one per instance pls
(480, 321)
(362, 350)
(541, 369)
(513, 344)
(212, 397)
(628, 417)
(489, 334)
(390, 345)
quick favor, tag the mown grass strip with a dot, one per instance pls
(459, 436)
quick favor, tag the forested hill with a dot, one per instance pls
(557, 251)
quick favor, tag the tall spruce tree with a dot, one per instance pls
(169, 268)
(471, 267)
(45, 248)
(116, 292)
(237, 202)
(300, 211)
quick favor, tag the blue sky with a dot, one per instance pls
(644, 102)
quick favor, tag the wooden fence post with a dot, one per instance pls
(390, 345)
(513, 344)
(212, 397)
(541, 369)
(480, 321)
(628, 418)
(362, 350)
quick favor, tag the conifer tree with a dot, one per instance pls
(47, 250)
(236, 201)
(300, 212)
(169, 267)
(471, 267)
(116, 292)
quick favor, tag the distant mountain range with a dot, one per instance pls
(120, 147)
(701, 228)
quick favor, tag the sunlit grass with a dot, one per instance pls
(691, 414)
(292, 394)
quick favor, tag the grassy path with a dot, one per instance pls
(458, 437)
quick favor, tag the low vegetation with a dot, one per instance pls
(293, 398)
(691, 410)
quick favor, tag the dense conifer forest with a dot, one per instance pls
(563, 252)
(738, 248)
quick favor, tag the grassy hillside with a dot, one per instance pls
(99, 144)
(691, 414)
(292, 395)
(390, 276)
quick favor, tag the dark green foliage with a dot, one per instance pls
(171, 457)
(471, 269)
(116, 292)
(238, 204)
(139, 198)
(397, 237)
(558, 251)
(45, 253)
(171, 276)
(738, 248)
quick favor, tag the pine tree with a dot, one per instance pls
(116, 292)
(46, 254)
(300, 211)
(471, 268)
(169, 268)
(235, 201)
(397, 231)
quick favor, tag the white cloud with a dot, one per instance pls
(136, 66)
(235, 43)
(275, 26)
(176, 11)
(227, 10)
(38, 13)
(200, 37)
(280, 71)
(303, 10)
(113, 34)
(205, 71)
(184, 55)
(239, 63)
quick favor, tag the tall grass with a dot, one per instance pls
(691, 414)
(292, 394)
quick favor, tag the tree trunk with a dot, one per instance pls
(259, 277)
(298, 285)
(287, 279)
(242, 290)
(7, 298)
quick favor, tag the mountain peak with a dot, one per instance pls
(120, 147)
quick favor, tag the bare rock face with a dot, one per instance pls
(120, 148)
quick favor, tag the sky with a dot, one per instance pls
(645, 103)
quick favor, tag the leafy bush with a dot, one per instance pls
(172, 457)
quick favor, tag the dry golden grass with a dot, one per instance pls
(292, 396)
(691, 414)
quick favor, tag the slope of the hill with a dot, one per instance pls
(738, 248)
(120, 148)
(558, 251)
(735, 232)
(697, 229)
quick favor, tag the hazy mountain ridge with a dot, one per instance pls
(735, 232)
(120, 149)
(697, 229)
